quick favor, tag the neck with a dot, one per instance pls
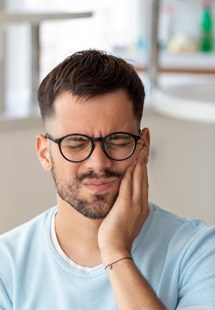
(77, 235)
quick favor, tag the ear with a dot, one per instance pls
(42, 148)
(145, 134)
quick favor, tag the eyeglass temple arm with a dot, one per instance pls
(50, 138)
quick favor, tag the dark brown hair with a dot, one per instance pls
(88, 74)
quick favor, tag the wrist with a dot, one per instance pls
(110, 256)
(110, 265)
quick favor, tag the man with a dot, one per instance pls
(103, 246)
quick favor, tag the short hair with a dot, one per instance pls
(87, 74)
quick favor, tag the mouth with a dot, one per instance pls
(100, 185)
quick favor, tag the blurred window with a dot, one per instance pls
(112, 27)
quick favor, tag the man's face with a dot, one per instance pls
(91, 187)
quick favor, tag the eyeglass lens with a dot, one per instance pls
(118, 146)
(76, 147)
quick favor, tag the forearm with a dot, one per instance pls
(117, 233)
(131, 290)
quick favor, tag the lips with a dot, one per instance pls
(100, 185)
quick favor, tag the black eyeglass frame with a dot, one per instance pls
(93, 140)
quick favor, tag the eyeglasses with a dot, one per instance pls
(78, 147)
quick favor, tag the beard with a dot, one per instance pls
(98, 205)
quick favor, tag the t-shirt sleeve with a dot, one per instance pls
(197, 274)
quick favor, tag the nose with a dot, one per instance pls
(98, 161)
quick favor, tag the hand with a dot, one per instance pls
(123, 223)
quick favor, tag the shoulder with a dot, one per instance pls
(20, 249)
(177, 226)
(178, 236)
(21, 236)
(188, 241)
(176, 256)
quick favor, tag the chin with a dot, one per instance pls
(98, 207)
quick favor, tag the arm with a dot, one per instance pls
(116, 235)
(131, 289)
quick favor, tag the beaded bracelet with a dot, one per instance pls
(110, 265)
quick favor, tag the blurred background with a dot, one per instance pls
(171, 43)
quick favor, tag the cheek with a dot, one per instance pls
(70, 171)
(123, 165)
(65, 170)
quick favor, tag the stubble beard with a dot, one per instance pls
(98, 205)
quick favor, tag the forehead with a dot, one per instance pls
(95, 116)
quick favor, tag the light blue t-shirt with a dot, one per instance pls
(176, 256)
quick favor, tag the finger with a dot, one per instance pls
(145, 184)
(125, 191)
(140, 180)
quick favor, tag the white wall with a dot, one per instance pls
(182, 166)
(25, 189)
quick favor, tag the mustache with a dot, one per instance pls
(106, 174)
